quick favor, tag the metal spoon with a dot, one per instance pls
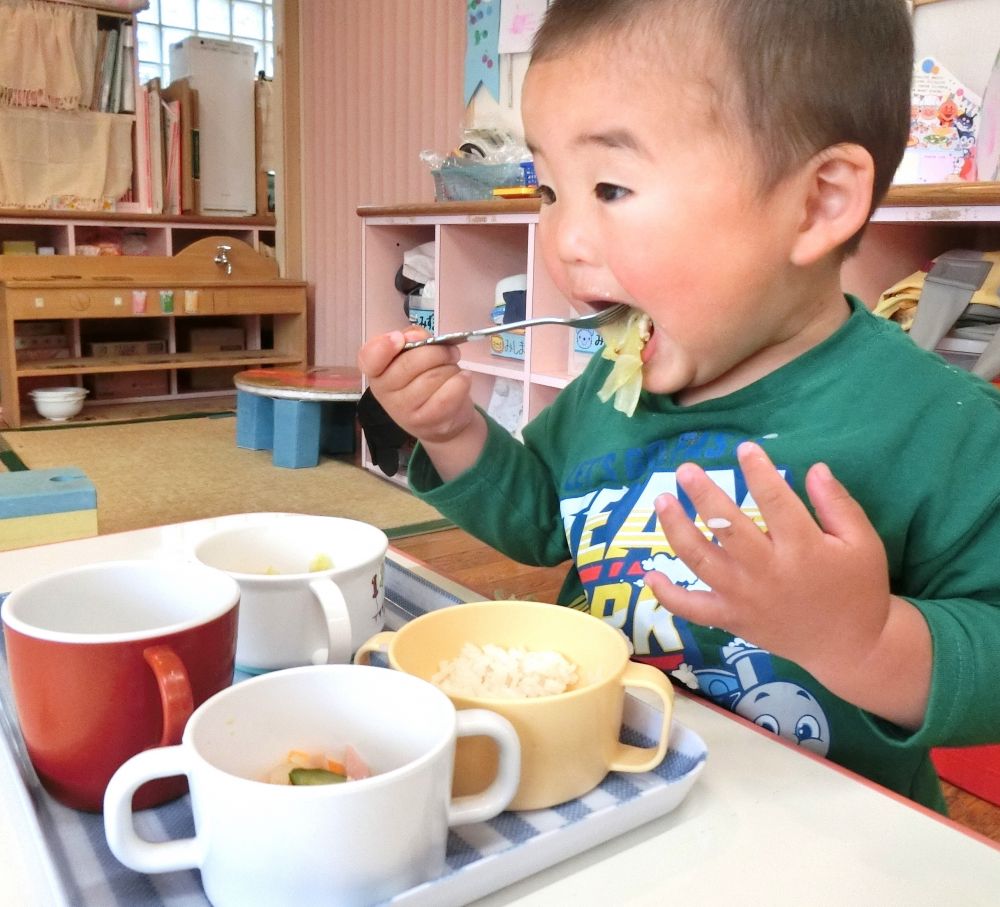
(595, 319)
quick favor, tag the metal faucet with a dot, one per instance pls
(222, 258)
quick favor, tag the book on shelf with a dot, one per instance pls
(114, 76)
(180, 90)
(172, 156)
(128, 65)
(108, 70)
(95, 91)
(156, 159)
(115, 101)
(142, 179)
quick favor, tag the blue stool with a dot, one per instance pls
(39, 506)
(297, 413)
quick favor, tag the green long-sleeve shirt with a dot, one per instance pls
(916, 442)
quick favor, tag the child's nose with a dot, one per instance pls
(572, 238)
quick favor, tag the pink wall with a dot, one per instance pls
(381, 81)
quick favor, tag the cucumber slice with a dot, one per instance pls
(314, 776)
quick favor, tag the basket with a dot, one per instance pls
(468, 182)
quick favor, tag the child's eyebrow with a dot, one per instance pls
(613, 138)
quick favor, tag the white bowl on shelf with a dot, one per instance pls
(58, 403)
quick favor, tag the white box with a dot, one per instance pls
(222, 72)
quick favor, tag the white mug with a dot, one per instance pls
(357, 842)
(311, 588)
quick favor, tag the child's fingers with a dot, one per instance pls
(703, 558)
(783, 512)
(699, 606)
(720, 514)
(838, 513)
(376, 355)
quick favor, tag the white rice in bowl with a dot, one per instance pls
(494, 672)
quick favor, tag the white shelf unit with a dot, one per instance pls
(476, 245)
(917, 223)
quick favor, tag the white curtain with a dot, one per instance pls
(64, 159)
(48, 54)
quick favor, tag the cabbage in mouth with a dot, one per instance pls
(623, 343)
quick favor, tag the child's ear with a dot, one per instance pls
(836, 193)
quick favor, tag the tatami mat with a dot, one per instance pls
(155, 473)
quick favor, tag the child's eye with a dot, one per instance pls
(609, 192)
(546, 195)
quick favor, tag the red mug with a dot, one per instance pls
(110, 659)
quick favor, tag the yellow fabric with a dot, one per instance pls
(48, 54)
(987, 294)
(900, 301)
(42, 529)
(80, 158)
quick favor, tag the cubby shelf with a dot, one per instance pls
(67, 232)
(478, 243)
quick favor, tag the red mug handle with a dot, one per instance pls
(175, 691)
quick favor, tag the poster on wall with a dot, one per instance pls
(519, 20)
(944, 117)
(482, 63)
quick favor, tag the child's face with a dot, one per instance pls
(645, 204)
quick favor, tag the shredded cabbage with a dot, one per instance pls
(623, 343)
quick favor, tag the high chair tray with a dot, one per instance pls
(481, 858)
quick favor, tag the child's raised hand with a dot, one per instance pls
(816, 593)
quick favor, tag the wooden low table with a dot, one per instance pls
(297, 413)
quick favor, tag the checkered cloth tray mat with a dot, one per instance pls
(481, 858)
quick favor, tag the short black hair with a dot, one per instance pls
(795, 76)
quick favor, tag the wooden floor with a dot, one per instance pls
(477, 566)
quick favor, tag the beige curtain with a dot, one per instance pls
(48, 54)
(68, 159)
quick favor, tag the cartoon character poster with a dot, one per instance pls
(944, 117)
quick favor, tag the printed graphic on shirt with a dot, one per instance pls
(615, 539)
(745, 683)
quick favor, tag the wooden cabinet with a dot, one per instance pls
(85, 320)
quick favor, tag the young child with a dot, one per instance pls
(799, 520)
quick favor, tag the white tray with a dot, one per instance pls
(488, 856)
(76, 867)
(482, 858)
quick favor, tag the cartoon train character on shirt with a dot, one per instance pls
(748, 687)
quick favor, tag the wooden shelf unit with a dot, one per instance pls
(91, 299)
(478, 243)
(68, 231)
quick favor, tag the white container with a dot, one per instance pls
(222, 72)
(58, 403)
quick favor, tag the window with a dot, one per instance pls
(168, 21)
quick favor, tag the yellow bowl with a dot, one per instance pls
(569, 741)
